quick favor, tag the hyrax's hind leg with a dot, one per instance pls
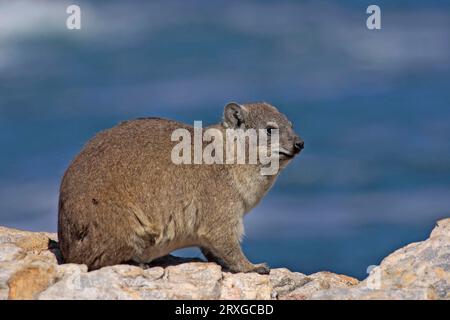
(225, 250)
(102, 232)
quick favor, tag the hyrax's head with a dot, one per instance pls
(266, 117)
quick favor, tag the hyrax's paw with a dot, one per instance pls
(261, 268)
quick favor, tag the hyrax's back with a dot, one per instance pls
(122, 195)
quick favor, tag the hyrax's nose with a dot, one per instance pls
(299, 144)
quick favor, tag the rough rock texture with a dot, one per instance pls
(30, 268)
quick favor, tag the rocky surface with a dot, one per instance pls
(30, 268)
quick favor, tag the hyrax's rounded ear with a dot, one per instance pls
(234, 115)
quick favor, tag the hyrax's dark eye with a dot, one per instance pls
(269, 131)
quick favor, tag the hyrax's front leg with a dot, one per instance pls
(226, 251)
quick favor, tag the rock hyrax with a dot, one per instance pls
(122, 198)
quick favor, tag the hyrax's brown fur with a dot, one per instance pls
(122, 199)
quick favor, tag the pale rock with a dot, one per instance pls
(246, 286)
(9, 252)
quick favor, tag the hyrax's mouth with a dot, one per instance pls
(286, 153)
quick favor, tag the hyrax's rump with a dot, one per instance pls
(123, 199)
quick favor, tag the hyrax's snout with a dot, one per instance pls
(299, 144)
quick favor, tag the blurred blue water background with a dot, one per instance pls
(372, 107)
